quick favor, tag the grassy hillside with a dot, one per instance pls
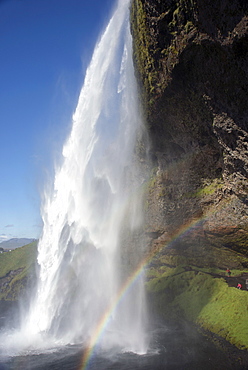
(205, 296)
(16, 270)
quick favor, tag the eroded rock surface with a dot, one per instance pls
(191, 60)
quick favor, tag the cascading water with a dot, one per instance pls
(90, 289)
(78, 252)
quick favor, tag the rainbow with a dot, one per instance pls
(106, 317)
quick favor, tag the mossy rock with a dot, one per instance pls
(201, 296)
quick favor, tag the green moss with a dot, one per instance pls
(203, 299)
(151, 183)
(225, 314)
(189, 26)
(197, 295)
(210, 188)
(143, 52)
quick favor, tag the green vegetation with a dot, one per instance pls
(189, 26)
(15, 268)
(187, 278)
(18, 258)
(201, 296)
(210, 188)
(143, 53)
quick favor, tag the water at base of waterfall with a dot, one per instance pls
(172, 348)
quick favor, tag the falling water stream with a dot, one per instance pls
(84, 297)
(78, 253)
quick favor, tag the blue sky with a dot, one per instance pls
(45, 47)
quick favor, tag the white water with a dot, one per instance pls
(83, 214)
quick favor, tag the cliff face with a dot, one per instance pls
(191, 61)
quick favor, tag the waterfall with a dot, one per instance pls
(95, 193)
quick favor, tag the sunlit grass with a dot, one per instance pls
(199, 296)
(17, 265)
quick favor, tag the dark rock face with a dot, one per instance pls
(191, 60)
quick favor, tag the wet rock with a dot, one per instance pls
(191, 61)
